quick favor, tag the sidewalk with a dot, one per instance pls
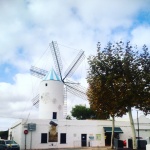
(83, 148)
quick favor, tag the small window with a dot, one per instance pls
(46, 84)
(2, 142)
(62, 138)
(43, 137)
(54, 115)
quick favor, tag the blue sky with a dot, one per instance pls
(28, 26)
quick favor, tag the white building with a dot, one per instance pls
(72, 133)
(52, 131)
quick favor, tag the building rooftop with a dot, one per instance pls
(52, 76)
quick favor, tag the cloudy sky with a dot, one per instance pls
(28, 26)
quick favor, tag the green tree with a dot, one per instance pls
(118, 81)
(68, 117)
(82, 112)
(103, 93)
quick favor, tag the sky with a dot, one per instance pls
(28, 26)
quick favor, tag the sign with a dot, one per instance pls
(31, 126)
(25, 131)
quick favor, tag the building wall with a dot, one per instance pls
(144, 127)
(15, 132)
(73, 130)
(33, 138)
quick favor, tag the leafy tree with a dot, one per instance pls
(118, 80)
(68, 117)
(82, 112)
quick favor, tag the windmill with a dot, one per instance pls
(55, 85)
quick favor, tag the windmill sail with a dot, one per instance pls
(40, 73)
(76, 89)
(35, 101)
(70, 86)
(73, 66)
(56, 58)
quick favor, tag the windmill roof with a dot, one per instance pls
(52, 76)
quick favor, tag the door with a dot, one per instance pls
(83, 140)
(107, 139)
(62, 138)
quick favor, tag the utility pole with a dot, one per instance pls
(138, 124)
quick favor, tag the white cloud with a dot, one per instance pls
(141, 35)
(27, 27)
(16, 98)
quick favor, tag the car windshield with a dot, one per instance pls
(10, 142)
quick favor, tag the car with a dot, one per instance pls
(10, 145)
(3, 147)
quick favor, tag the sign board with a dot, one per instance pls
(31, 126)
(25, 131)
(25, 125)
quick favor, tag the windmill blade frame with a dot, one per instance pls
(71, 87)
(74, 65)
(76, 89)
(38, 72)
(35, 101)
(56, 57)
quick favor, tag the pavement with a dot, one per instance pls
(83, 148)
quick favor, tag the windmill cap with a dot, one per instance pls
(52, 76)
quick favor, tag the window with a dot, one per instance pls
(2, 142)
(43, 137)
(54, 115)
(62, 138)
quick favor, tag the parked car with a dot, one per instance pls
(3, 147)
(9, 144)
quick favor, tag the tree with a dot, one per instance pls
(103, 93)
(68, 117)
(118, 80)
(82, 112)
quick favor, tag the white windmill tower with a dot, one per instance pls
(52, 100)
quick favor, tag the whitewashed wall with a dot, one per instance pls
(15, 132)
(73, 130)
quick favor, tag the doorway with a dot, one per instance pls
(83, 140)
(107, 139)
